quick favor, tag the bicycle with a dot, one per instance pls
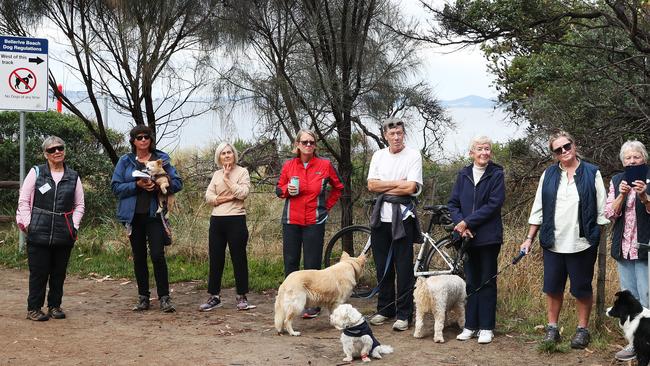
(435, 257)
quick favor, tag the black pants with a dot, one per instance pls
(401, 264)
(46, 264)
(481, 307)
(231, 231)
(309, 239)
(145, 228)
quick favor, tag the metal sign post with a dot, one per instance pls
(23, 85)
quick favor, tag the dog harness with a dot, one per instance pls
(361, 330)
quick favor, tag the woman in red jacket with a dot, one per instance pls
(303, 181)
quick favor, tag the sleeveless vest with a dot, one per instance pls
(642, 224)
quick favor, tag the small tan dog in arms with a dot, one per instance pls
(329, 288)
(438, 295)
(160, 176)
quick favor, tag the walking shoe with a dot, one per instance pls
(466, 334)
(552, 335)
(310, 313)
(242, 302)
(581, 338)
(56, 313)
(143, 303)
(626, 354)
(166, 305)
(213, 302)
(37, 315)
(378, 319)
(485, 336)
(401, 325)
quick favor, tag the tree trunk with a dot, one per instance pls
(345, 170)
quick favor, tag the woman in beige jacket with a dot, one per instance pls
(227, 191)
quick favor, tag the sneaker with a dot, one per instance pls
(581, 338)
(378, 319)
(310, 313)
(143, 303)
(166, 305)
(37, 315)
(626, 354)
(552, 335)
(213, 302)
(401, 325)
(56, 313)
(485, 336)
(242, 302)
(466, 334)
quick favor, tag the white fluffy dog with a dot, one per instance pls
(438, 295)
(357, 338)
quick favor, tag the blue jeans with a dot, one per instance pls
(633, 275)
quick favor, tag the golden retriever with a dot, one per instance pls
(329, 288)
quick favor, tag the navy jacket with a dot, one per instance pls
(479, 205)
(123, 185)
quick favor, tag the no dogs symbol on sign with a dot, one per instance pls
(22, 80)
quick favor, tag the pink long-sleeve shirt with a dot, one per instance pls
(628, 244)
(26, 200)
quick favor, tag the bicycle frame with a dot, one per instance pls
(428, 242)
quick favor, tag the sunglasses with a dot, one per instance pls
(565, 147)
(394, 124)
(308, 143)
(52, 149)
(142, 137)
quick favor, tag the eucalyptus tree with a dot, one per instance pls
(145, 55)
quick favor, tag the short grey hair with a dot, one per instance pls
(386, 123)
(633, 145)
(479, 140)
(52, 140)
(219, 149)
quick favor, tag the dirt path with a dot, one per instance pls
(101, 330)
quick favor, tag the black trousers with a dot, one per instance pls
(149, 229)
(47, 264)
(309, 239)
(400, 265)
(230, 231)
(481, 307)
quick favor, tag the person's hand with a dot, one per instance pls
(625, 188)
(227, 168)
(146, 184)
(22, 228)
(467, 234)
(460, 227)
(525, 246)
(639, 187)
(223, 199)
(293, 190)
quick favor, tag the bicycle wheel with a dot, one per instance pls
(360, 242)
(445, 257)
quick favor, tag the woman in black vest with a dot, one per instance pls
(627, 207)
(568, 211)
(50, 208)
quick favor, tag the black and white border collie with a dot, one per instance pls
(635, 321)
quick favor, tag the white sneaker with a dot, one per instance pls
(466, 334)
(400, 325)
(378, 319)
(485, 336)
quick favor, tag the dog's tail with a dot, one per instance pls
(279, 313)
(382, 349)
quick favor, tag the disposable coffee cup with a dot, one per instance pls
(295, 181)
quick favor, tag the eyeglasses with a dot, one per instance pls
(142, 137)
(51, 150)
(565, 147)
(390, 125)
(308, 143)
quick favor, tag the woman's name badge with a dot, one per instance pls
(44, 188)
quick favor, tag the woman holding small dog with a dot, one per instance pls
(628, 207)
(475, 207)
(568, 209)
(227, 191)
(137, 210)
(50, 208)
(303, 184)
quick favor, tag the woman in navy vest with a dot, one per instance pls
(50, 209)
(568, 209)
(137, 210)
(627, 207)
(475, 207)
